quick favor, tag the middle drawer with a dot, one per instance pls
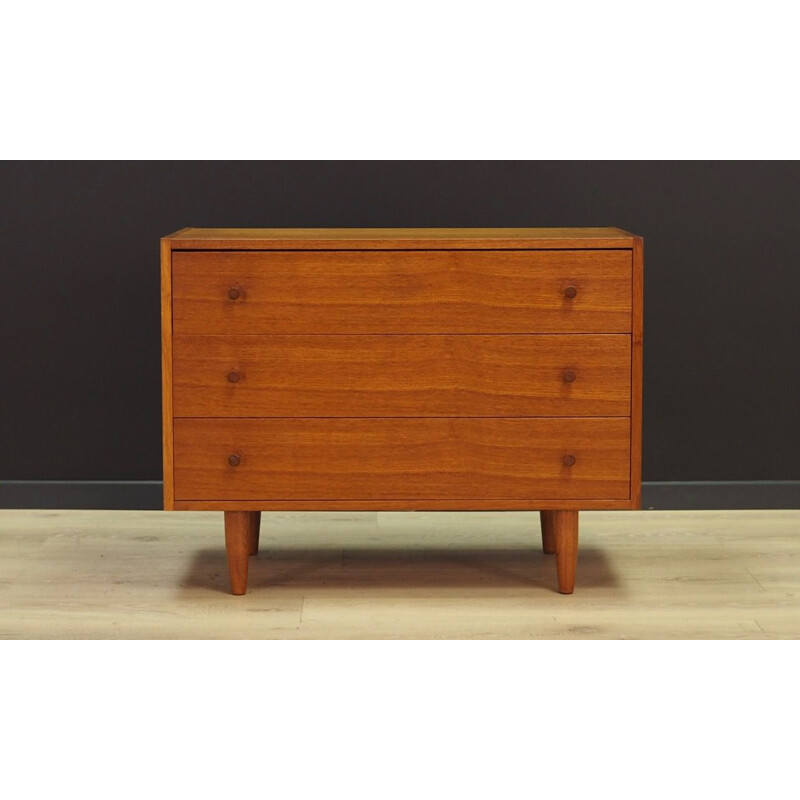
(402, 375)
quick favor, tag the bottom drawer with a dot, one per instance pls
(416, 458)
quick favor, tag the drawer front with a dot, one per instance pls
(402, 375)
(517, 291)
(373, 459)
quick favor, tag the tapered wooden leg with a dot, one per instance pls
(547, 519)
(566, 535)
(254, 531)
(239, 527)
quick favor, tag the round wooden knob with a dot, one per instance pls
(234, 293)
(569, 460)
(570, 291)
(234, 460)
(569, 375)
(233, 376)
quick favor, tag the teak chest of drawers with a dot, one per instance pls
(402, 369)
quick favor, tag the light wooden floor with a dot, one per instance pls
(641, 575)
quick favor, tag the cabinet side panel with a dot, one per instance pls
(637, 320)
(166, 370)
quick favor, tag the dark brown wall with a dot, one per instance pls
(79, 307)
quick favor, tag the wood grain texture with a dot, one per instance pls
(441, 369)
(398, 238)
(565, 528)
(408, 504)
(238, 546)
(166, 370)
(402, 375)
(402, 292)
(637, 306)
(395, 459)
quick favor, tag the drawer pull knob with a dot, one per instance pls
(569, 460)
(233, 293)
(234, 460)
(233, 376)
(569, 375)
(570, 292)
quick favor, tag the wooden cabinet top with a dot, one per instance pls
(398, 238)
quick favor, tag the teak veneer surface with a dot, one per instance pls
(402, 292)
(407, 504)
(373, 459)
(397, 238)
(166, 370)
(402, 375)
(637, 319)
(402, 369)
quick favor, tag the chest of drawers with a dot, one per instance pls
(402, 369)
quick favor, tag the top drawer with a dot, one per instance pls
(467, 291)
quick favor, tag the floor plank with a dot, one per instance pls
(368, 575)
